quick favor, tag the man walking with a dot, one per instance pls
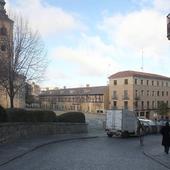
(165, 131)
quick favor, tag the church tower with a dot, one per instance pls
(6, 29)
(6, 42)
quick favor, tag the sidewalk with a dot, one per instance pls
(154, 150)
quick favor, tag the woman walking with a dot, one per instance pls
(165, 131)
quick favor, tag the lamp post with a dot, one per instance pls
(168, 26)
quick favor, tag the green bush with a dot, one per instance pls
(22, 115)
(3, 115)
(72, 117)
(16, 115)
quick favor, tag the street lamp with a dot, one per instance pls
(168, 26)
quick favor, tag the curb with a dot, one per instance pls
(155, 159)
(45, 144)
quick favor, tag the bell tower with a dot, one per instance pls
(6, 44)
(6, 29)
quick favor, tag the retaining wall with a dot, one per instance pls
(13, 131)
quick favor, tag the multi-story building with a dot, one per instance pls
(86, 99)
(6, 46)
(32, 92)
(138, 91)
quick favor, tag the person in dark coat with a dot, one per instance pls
(165, 131)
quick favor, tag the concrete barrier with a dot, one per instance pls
(12, 131)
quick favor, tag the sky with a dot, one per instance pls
(89, 40)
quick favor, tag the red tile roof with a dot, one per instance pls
(138, 74)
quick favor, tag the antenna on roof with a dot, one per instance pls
(142, 67)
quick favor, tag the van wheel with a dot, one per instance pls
(109, 135)
(125, 134)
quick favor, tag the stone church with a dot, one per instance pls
(6, 37)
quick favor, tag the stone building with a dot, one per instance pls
(6, 45)
(32, 92)
(86, 99)
(138, 91)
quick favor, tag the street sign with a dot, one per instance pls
(168, 26)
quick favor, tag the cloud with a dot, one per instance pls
(91, 56)
(47, 19)
(143, 29)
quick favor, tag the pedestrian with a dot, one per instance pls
(165, 131)
(141, 131)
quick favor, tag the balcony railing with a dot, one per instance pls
(114, 97)
(125, 97)
(137, 97)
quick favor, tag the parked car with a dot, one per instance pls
(149, 125)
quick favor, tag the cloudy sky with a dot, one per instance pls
(89, 40)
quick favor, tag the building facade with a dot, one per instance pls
(6, 46)
(32, 92)
(138, 91)
(85, 99)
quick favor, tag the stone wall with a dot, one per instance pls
(12, 131)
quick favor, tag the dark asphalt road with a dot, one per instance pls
(91, 154)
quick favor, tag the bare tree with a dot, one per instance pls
(25, 60)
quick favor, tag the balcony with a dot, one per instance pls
(125, 97)
(114, 97)
(137, 98)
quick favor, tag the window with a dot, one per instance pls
(147, 92)
(126, 81)
(142, 114)
(158, 103)
(157, 93)
(162, 83)
(114, 94)
(153, 104)
(115, 82)
(147, 104)
(126, 104)
(136, 93)
(136, 104)
(157, 83)
(142, 104)
(166, 84)
(152, 83)
(3, 31)
(141, 82)
(162, 93)
(125, 95)
(115, 104)
(153, 93)
(3, 48)
(147, 82)
(142, 92)
(167, 93)
(136, 81)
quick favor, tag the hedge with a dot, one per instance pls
(72, 117)
(3, 115)
(22, 115)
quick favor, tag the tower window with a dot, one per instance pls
(3, 31)
(3, 48)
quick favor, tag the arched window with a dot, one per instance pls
(3, 31)
(3, 47)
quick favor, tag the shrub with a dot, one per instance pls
(41, 116)
(16, 115)
(22, 115)
(3, 115)
(72, 117)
